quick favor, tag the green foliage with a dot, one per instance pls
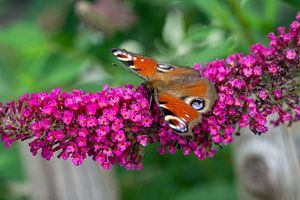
(179, 177)
(47, 46)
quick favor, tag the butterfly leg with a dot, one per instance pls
(150, 101)
(152, 93)
(220, 146)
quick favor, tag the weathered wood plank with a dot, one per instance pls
(60, 180)
(267, 166)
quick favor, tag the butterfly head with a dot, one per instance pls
(144, 66)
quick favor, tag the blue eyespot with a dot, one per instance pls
(198, 104)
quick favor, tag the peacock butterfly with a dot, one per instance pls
(180, 93)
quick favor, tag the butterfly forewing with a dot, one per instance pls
(145, 67)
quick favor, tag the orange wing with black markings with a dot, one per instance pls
(143, 66)
(180, 116)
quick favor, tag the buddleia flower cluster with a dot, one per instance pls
(116, 124)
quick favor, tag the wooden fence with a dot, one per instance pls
(267, 166)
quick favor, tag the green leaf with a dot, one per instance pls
(199, 33)
(208, 191)
(208, 53)
(59, 71)
(173, 30)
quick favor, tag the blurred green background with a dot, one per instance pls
(66, 44)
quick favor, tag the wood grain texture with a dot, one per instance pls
(60, 180)
(267, 166)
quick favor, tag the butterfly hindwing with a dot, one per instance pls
(179, 116)
(200, 94)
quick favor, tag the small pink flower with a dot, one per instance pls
(277, 93)
(103, 130)
(186, 151)
(260, 119)
(77, 159)
(248, 61)
(58, 135)
(232, 111)
(135, 107)
(123, 145)
(214, 129)
(134, 129)
(83, 132)
(136, 118)
(91, 122)
(47, 110)
(198, 67)
(244, 121)
(81, 141)
(228, 130)
(50, 136)
(257, 71)
(291, 54)
(297, 110)
(229, 100)
(247, 72)
(143, 140)
(263, 94)
(71, 104)
(91, 109)
(126, 114)
(64, 155)
(67, 117)
(82, 120)
(227, 139)
(45, 124)
(105, 165)
(103, 120)
(217, 138)
(35, 126)
(230, 61)
(286, 116)
(107, 151)
(147, 121)
(119, 136)
(71, 148)
(295, 25)
(172, 150)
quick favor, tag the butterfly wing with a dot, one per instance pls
(180, 116)
(184, 102)
(145, 67)
(200, 94)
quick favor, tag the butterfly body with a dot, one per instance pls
(180, 93)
